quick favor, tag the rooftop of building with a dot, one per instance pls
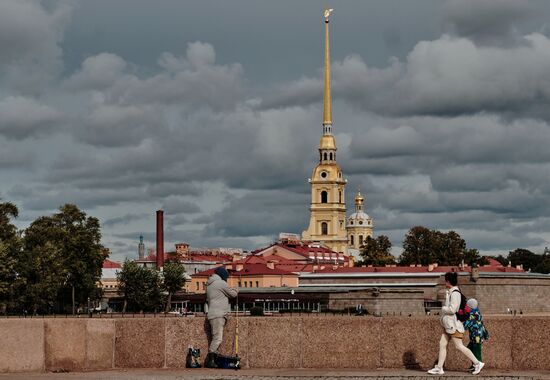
(111, 264)
(248, 270)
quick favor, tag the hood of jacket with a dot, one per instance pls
(213, 278)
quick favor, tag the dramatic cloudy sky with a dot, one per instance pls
(211, 110)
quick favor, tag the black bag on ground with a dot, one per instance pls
(228, 362)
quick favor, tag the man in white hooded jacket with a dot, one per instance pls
(218, 293)
(453, 327)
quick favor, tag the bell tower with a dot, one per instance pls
(327, 221)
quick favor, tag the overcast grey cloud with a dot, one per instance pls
(212, 111)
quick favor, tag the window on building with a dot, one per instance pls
(340, 196)
(330, 156)
(324, 197)
(198, 286)
(360, 239)
(239, 284)
(325, 156)
(257, 284)
(351, 240)
(324, 228)
(204, 285)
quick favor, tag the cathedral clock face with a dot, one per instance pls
(324, 175)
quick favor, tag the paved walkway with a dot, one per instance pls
(274, 374)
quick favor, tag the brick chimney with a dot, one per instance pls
(160, 239)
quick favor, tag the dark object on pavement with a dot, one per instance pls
(192, 359)
(228, 362)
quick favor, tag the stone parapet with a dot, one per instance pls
(306, 341)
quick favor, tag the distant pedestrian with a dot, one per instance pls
(476, 330)
(453, 328)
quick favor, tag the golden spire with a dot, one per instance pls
(327, 102)
(359, 200)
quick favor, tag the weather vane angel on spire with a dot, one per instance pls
(328, 12)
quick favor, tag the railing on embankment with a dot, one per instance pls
(78, 344)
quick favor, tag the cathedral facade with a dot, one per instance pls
(328, 222)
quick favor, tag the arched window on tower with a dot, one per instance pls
(325, 156)
(340, 196)
(330, 156)
(351, 240)
(324, 228)
(360, 240)
(324, 197)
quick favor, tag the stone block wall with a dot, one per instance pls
(382, 301)
(306, 341)
(496, 294)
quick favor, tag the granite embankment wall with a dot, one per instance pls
(264, 342)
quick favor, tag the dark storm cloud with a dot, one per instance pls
(13, 158)
(487, 22)
(22, 117)
(258, 214)
(48, 198)
(123, 220)
(174, 205)
(29, 42)
(451, 133)
(450, 76)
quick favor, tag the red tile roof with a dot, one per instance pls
(111, 264)
(248, 270)
(310, 252)
(409, 269)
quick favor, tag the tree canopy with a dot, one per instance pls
(70, 240)
(424, 246)
(173, 279)
(140, 286)
(10, 244)
(376, 252)
(530, 260)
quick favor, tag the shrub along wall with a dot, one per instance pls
(306, 341)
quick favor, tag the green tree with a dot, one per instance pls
(502, 260)
(141, 287)
(447, 247)
(376, 252)
(418, 247)
(544, 265)
(77, 239)
(472, 256)
(173, 276)
(41, 275)
(424, 246)
(528, 259)
(10, 244)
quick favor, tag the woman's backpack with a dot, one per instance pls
(464, 310)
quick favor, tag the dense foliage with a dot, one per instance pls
(141, 287)
(425, 246)
(376, 252)
(173, 279)
(51, 266)
(530, 260)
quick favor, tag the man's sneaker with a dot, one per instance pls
(478, 367)
(472, 368)
(436, 371)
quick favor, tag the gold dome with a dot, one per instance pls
(359, 198)
(327, 142)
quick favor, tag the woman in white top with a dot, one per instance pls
(454, 330)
